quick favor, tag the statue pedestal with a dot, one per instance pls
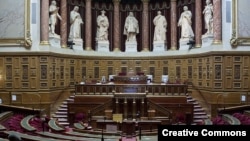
(183, 44)
(55, 40)
(207, 40)
(78, 44)
(159, 46)
(131, 46)
(102, 46)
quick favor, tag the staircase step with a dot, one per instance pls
(62, 120)
(61, 113)
(62, 109)
(64, 123)
(60, 116)
(200, 116)
(64, 106)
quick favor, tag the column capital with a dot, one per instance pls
(173, 0)
(88, 0)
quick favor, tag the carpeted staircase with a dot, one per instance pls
(199, 112)
(62, 112)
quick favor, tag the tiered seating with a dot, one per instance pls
(53, 124)
(243, 118)
(231, 119)
(218, 120)
(14, 123)
(31, 137)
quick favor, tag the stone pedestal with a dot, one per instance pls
(55, 40)
(77, 44)
(207, 40)
(131, 46)
(159, 46)
(102, 46)
(183, 44)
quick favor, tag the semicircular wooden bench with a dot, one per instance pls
(231, 119)
(208, 122)
(78, 125)
(25, 123)
(32, 137)
(55, 126)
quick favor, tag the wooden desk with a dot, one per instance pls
(128, 125)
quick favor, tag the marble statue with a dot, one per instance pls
(75, 24)
(160, 23)
(54, 16)
(131, 27)
(186, 24)
(102, 27)
(208, 17)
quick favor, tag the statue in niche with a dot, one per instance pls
(131, 27)
(186, 24)
(75, 24)
(160, 23)
(54, 16)
(208, 17)
(102, 27)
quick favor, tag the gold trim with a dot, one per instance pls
(198, 46)
(44, 43)
(235, 39)
(173, 48)
(26, 39)
(64, 46)
(116, 49)
(88, 49)
(145, 49)
(217, 42)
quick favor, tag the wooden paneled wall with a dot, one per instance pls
(209, 74)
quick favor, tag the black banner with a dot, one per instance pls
(166, 131)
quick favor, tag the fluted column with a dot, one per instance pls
(88, 25)
(198, 23)
(173, 25)
(145, 25)
(44, 27)
(116, 31)
(63, 25)
(217, 22)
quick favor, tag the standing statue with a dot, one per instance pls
(160, 23)
(131, 27)
(102, 27)
(208, 17)
(53, 10)
(186, 24)
(75, 24)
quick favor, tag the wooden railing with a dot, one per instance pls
(100, 108)
(160, 108)
(149, 89)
